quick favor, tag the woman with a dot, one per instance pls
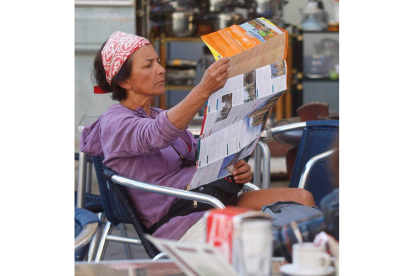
(144, 143)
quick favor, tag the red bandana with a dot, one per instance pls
(119, 47)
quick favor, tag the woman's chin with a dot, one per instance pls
(159, 91)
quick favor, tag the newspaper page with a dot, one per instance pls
(195, 259)
(235, 118)
(236, 115)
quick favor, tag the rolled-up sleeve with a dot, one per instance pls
(128, 135)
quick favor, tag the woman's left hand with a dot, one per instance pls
(241, 172)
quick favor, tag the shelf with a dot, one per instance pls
(319, 79)
(321, 32)
(179, 87)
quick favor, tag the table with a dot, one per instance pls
(143, 267)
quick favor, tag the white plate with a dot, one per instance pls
(290, 269)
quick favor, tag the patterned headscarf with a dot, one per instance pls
(119, 47)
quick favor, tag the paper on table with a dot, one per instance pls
(195, 259)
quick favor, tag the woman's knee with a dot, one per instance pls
(305, 197)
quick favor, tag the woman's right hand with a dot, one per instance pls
(215, 76)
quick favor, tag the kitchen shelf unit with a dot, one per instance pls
(320, 79)
(299, 80)
(163, 41)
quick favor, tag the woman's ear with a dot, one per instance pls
(125, 85)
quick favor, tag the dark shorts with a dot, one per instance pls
(225, 190)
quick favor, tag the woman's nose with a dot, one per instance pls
(161, 69)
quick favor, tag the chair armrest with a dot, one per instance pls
(289, 127)
(167, 191)
(86, 235)
(310, 165)
(288, 134)
(250, 187)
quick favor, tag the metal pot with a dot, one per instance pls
(270, 7)
(180, 24)
(181, 72)
(218, 5)
(224, 20)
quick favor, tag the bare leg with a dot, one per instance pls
(256, 199)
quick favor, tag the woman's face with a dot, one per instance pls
(147, 74)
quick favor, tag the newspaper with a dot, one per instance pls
(195, 259)
(236, 115)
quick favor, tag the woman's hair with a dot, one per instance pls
(118, 93)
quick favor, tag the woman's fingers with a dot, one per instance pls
(244, 177)
(239, 164)
(242, 172)
(222, 69)
(217, 64)
(215, 76)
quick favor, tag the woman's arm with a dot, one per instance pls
(214, 78)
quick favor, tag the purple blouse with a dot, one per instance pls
(138, 146)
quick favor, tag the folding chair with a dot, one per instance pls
(118, 208)
(311, 170)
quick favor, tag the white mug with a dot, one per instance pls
(308, 257)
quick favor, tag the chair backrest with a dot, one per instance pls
(113, 208)
(313, 111)
(318, 137)
(117, 204)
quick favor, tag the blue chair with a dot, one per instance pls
(311, 170)
(118, 208)
(86, 225)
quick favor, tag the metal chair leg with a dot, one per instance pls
(257, 176)
(103, 243)
(261, 177)
(124, 233)
(94, 242)
(266, 164)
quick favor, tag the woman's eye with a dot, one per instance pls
(148, 66)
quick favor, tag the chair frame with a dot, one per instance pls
(105, 234)
(310, 164)
(86, 235)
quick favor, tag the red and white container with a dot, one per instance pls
(244, 237)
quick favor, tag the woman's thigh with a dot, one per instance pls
(256, 199)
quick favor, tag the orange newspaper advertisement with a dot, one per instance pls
(221, 44)
(235, 39)
(238, 35)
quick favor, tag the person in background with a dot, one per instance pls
(152, 145)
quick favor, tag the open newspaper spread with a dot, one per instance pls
(236, 115)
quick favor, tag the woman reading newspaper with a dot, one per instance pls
(152, 145)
